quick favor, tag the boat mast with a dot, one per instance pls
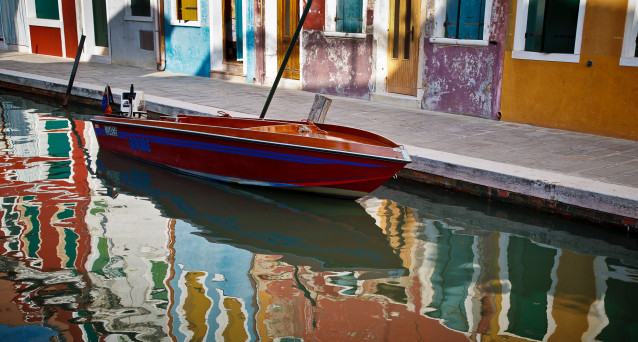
(285, 61)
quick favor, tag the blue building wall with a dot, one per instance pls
(249, 35)
(188, 48)
(227, 270)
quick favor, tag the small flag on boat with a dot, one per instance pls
(107, 98)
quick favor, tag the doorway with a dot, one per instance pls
(233, 37)
(403, 46)
(287, 20)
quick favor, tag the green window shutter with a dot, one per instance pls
(47, 9)
(551, 26)
(100, 23)
(141, 8)
(560, 26)
(59, 145)
(534, 33)
(349, 16)
(187, 10)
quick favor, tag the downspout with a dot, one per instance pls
(160, 47)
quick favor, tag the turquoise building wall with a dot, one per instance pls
(188, 48)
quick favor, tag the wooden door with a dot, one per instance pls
(403, 46)
(287, 19)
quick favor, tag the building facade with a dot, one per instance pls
(577, 74)
(498, 59)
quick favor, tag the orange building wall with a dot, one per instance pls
(602, 99)
(46, 40)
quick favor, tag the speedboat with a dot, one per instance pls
(298, 155)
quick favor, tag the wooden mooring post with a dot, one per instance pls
(319, 109)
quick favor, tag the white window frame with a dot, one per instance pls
(519, 37)
(627, 57)
(188, 23)
(440, 8)
(330, 29)
(35, 21)
(131, 17)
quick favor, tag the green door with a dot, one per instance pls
(100, 28)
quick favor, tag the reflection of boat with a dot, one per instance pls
(302, 155)
(338, 234)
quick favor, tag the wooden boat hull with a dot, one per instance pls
(235, 151)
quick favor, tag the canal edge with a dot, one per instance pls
(601, 203)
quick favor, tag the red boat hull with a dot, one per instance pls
(256, 158)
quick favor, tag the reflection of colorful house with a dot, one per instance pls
(129, 266)
(47, 190)
(45, 198)
(503, 286)
(212, 297)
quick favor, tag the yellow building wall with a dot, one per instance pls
(602, 99)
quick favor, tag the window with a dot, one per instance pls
(185, 13)
(345, 18)
(629, 56)
(464, 19)
(349, 16)
(43, 13)
(551, 26)
(549, 30)
(47, 9)
(462, 22)
(139, 10)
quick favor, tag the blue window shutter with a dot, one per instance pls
(452, 19)
(471, 20)
(353, 21)
(349, 16)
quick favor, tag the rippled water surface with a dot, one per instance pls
(95, 246)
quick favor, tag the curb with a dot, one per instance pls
(601, 203)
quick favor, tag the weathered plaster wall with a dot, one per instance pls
(601, 99)
(125, 38)
(188, 48)
(336, 65)
(464, 79)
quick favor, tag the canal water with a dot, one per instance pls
(95, 246)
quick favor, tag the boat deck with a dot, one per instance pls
(309, 129)
(298, 134)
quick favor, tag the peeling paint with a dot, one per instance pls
(465, 79)
(337, 66)
(187, 48)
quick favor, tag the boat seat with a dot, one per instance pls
(287, 128)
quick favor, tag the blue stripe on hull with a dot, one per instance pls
(236, 150)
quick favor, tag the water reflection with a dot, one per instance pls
(94, 246)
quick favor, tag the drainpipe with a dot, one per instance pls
(160, 47)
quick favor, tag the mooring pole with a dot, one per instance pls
(75, 69)
(285, 61)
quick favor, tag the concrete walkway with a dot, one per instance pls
(574, 174)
